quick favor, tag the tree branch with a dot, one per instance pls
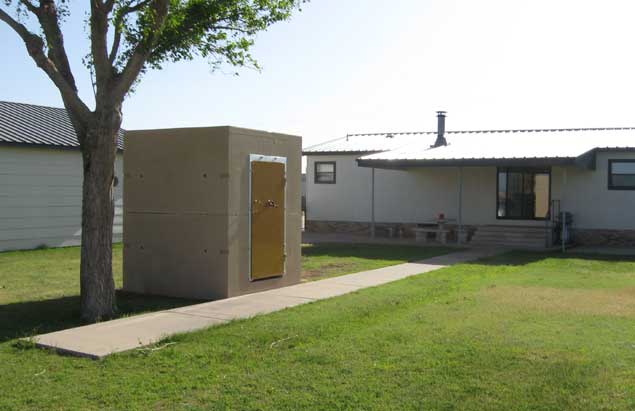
(30, 6)
(49, 20)
(143, 49)
(137, 7)
(35, 47)
(120, 15)
(109, 4)
(98, 41)
(232, 28)
(115, 45)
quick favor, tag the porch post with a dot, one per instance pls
(372, 202)
(460, 212)
(562, 215)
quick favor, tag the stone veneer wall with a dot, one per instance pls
(403, 230)
(604, 237)
(406, 230)
(337, 227)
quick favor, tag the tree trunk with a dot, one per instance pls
(99, 149)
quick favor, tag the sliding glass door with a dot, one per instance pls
(523, 194)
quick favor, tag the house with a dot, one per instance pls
(493, 186)
(41, 178)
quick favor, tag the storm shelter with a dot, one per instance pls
(211, 213)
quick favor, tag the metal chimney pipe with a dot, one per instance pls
(441, 141)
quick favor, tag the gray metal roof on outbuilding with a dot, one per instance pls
(38, 125)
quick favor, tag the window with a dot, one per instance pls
(324, 172)
(621, 174)
(523, 194)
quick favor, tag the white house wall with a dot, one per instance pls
(586, 195)
(40, 197)
(402, 196)
(347, 200)
(419, 195)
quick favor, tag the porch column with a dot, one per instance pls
(460, 210)
(564, 222)
(372, 202)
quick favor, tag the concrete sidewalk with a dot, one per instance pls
(99, 340)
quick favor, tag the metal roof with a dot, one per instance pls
(513, 144)
(38, 125)
(478, 145)
(370, 143)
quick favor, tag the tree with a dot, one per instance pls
(126, 38)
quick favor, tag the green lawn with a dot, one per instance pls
(522, 331)
(330, 260)
(39, 288)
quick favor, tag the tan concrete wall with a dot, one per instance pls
(41, 197)
(244, 142)
(177, 170)
(187, 210)
(178, 255)
(175, 241)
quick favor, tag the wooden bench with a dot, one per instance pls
(390, 231)
(440, 234)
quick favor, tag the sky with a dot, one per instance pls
(353, 66)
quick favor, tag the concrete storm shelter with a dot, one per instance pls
(211, 212)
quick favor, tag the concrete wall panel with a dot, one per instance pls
(176, 255)
(196, 185)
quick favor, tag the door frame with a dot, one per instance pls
(268, 159)
(532, 170)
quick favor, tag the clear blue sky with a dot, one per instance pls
(344, 66)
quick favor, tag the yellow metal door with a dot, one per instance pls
(267, 219)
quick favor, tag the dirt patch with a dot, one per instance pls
(325, 270)
(616, 302)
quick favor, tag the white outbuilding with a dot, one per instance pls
(41, 179)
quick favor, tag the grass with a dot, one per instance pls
(522, 331)
(39, 288)
(331, 260)
(39, 292)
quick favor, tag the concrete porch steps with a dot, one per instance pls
(510, 236)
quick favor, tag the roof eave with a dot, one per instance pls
(42, 145)
(334, 153)
(466, 162)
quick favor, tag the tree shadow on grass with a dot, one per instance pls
(29, 318)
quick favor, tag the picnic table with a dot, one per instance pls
(436, 227)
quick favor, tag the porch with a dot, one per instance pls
(502, 205)
(492, 236)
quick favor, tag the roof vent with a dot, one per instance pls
(389, 135)
(441, 141)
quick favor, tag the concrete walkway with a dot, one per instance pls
(99, 340)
